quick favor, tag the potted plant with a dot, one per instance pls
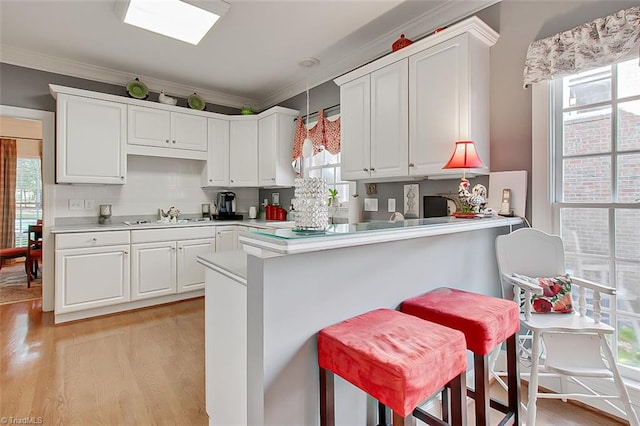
(333, 200)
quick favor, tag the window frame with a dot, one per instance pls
(547, 156)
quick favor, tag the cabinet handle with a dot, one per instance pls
(121, 177)
(232, 181)
(174, 141)
(94, 239)
(180, 248)
(366, 170)
(273, 179)
(126, 252)
(173, 249)
(411, 165)
(167, 141)
(210, 180)
(372, 169)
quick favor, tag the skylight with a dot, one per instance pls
(173, 18)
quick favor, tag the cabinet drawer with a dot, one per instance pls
(92, 239)
(173, 234)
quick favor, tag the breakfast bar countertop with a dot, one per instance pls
(290, 241)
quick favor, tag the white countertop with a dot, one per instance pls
(286, 241)
(121, 226)
(230, 263)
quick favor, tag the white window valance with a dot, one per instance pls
(597, 43)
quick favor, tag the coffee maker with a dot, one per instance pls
(226, 207)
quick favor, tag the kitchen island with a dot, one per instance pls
(264, 306)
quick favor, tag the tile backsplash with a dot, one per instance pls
(152, 183)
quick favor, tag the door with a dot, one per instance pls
(153, 269)
(243, 153)
(91, 137)
(438, 104)
(355, 139)
(149, 127)
(226, 238)
(267, 139)
(216, 172)
(188, 132)
(89, 278)
(390, 120)
(190, 273)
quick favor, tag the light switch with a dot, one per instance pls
(370, 204)
(75, 204)
(391, 205)
(89, 204)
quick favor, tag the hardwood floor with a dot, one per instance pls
(144, 367)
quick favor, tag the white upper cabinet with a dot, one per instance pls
(389, 112)
(402, 113)
(91, 137)
(216, 173)
(374, 124)
(448, 101)
(355, 131)
(275, 145)
(243, 153)
(157, 128)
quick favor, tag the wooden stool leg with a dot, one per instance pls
(481, 391)
(398, 420)
(513, 377)
(327, 409)
(445, 404)
(458, 387)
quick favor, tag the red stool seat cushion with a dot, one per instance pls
(486, 321)
(398, 359)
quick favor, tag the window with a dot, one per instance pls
(28, 197)
(326, 165)
(595, 191)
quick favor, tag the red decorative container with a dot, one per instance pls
(400, 43)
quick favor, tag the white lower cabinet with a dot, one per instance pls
(91, 270)
(226, 238)
(163, 261)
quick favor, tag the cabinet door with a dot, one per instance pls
(91, 138)
(188, 132)
(267, 140)
(390, 120)
(190, 273)
(243, 153)
(153, 269)
(149, 127)
(226, 238)
(355, 138)
(87, 278)
(217, 171)
(438, 104)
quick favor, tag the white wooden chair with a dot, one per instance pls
(574, 344)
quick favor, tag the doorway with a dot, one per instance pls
(36, 205)
(21, 175)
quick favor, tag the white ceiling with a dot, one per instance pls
(251, 56)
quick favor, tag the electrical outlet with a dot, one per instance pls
(89, 204)
(391, 205)
(275, 198)
(75, 204)
(371, 204)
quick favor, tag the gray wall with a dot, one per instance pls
(29, 88)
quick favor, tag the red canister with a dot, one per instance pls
(269, 212)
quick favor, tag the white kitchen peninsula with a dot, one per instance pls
(264, 306)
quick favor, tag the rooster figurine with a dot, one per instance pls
(474, 201)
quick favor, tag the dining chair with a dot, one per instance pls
(34, 252)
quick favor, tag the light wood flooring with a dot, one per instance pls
(144, 367)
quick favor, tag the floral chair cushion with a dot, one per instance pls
(555, 297)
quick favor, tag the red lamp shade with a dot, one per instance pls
(464, 156)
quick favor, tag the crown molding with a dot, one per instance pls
(29, 59)
(421, 26)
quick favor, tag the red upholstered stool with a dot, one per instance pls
(396, 358)
(486, 322)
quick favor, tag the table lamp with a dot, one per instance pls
(464, 157)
